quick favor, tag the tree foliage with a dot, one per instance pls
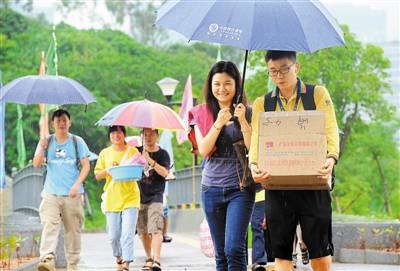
(113, 66)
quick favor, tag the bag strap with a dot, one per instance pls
(74, 140)
(46, 151)
(269, 102)
(308, 98)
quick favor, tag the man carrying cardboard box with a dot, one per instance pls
(286, 208)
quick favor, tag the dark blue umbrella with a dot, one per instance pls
(46, 89)
(254, 24)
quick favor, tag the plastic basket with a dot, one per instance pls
(126, 173)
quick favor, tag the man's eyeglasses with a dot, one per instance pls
(282, 71)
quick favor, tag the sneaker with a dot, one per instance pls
(47, 264)
(305, 257)
(167, 239)
(294, 260)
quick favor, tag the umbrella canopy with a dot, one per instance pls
(286, 25)
(134, 141)
(47, 89)
(143, 114)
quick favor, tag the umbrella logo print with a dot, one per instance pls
(225, 31)
(213, 28)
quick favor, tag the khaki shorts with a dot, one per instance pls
(150, 218)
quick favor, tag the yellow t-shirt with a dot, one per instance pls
(323, 103)
(119, 195)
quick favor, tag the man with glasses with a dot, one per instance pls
(311, 208)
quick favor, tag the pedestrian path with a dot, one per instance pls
(183, 253)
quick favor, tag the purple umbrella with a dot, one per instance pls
(288, 25)
(47, 89)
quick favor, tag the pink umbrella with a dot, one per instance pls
(143, 114)
(134, 141)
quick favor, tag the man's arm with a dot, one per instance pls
(39, 153)
(160, 169)
(323, 102)
(82, 176)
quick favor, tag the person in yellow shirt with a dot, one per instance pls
(121, 200)
(311, 208)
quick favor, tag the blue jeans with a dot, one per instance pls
(228, 211)
(258, 253)
(121, 228)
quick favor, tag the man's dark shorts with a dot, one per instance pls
(312, 209)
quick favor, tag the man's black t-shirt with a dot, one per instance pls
(152, 186)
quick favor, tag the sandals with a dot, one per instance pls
(147, 266)
(305, 257)
(156, 266)
(120, 262)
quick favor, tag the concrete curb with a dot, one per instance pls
(32, 265)
(368, 256)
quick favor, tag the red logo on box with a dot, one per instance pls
(269, 144)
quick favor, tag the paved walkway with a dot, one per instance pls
(182, 254)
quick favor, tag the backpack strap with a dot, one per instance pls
(269, 102)
(74, 140)
(308, 98)
(46, 151)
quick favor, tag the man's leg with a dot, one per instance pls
(72, 216)
(155, 228)
(316, 227)
(321, 264)
(281, 223)
(50, 218)
(146, 241)
(283, 265)
(258, 255)
(156, 240)
(166, 238)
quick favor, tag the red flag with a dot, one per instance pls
(187, 105)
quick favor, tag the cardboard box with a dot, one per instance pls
(292, 147)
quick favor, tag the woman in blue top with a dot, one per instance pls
(227, 207)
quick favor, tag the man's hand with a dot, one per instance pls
(73, 192)
(325, 172)
(260, 176)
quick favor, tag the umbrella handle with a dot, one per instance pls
(240, 96)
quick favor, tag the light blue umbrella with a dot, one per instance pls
(297, 25)
(46, 89)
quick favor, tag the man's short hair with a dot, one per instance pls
(155, 130)
(275, 55)
(116, 128)
(59, 112)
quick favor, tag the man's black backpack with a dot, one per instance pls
(307, 99)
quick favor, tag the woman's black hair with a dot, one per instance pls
(116, 128)
(229, 68)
